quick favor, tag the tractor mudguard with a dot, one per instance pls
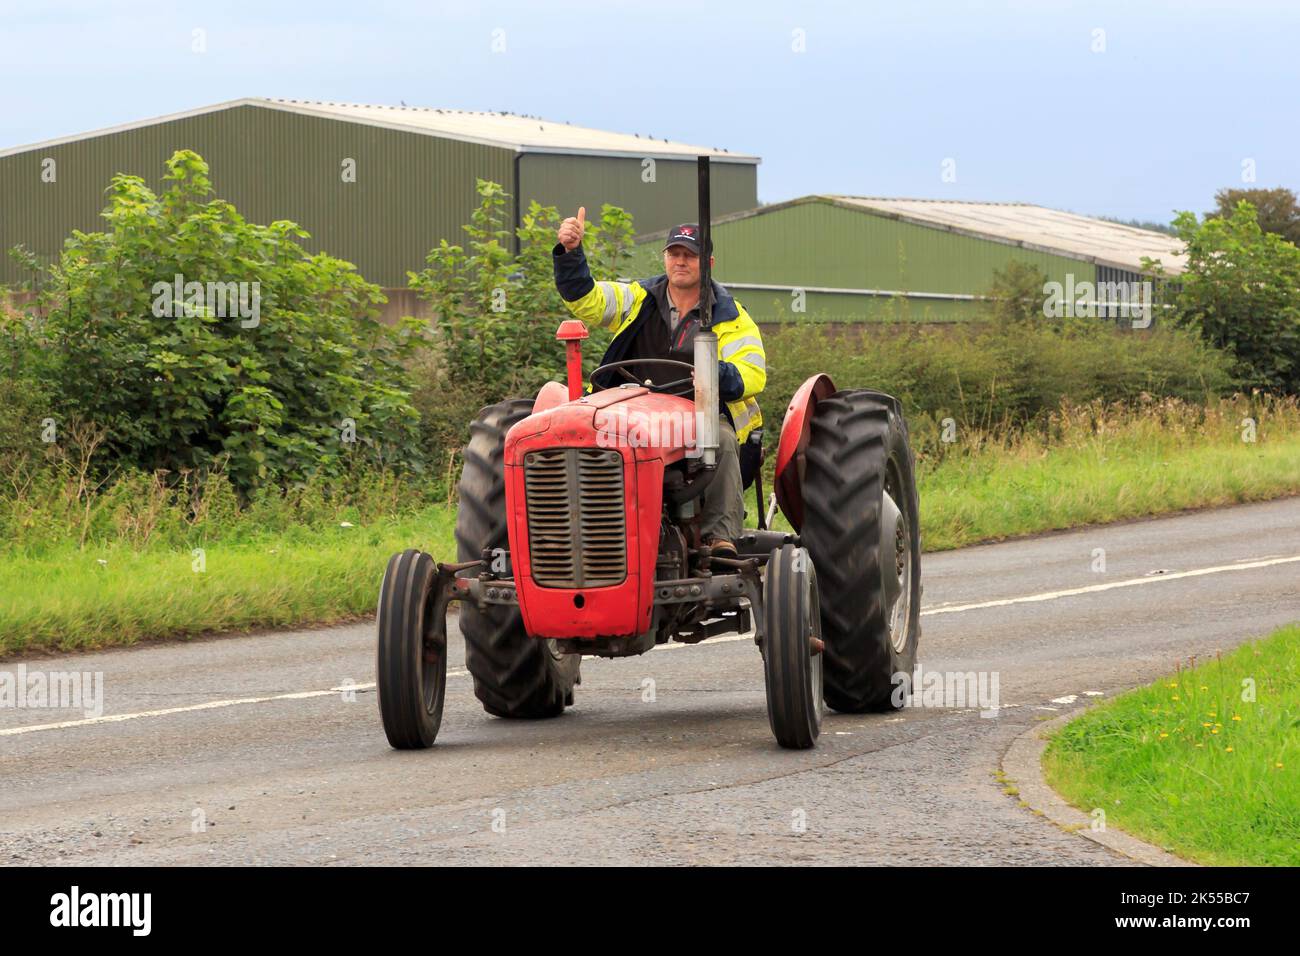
(795, 432)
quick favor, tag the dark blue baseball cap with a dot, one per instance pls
(688, 235)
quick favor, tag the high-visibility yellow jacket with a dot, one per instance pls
(625, 306)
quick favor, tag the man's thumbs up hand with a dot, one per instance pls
(571, 230)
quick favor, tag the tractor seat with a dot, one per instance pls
(751, 457)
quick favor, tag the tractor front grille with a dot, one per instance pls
(577, 529)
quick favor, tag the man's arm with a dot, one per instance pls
(742, 368)
(610, 304)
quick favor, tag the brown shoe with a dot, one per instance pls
(722, 548)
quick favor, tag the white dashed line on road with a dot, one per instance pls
(1094, 588)
(190, 708)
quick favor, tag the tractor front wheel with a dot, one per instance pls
(412, 661)
(792, 658)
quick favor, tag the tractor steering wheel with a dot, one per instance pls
(668, 388)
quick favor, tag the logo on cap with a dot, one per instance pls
(688, 235)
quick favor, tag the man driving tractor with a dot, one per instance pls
(657, 319)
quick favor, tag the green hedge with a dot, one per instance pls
(990, 377)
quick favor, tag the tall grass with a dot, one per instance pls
(67, 500)
(1095, 463)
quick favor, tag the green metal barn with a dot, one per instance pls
(413, 183)
(861, 259)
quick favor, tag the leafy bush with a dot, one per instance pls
(25, 396)
(180, 384)
(1241, 290)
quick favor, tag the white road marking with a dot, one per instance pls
(207, 705)
(726, 638)
(940, 609)
(1093, 588)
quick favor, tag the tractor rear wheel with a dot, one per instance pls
(792, 670)
(861, 526)
(514, 675)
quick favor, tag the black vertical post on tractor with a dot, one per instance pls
(706, 284)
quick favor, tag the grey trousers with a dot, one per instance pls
(722, 508)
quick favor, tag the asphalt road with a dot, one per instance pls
(238, 750)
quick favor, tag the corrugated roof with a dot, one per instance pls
(1033, 227)
(1017, 224)
(525, 134)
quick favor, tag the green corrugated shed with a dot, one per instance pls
(414, 183)
(861, 260)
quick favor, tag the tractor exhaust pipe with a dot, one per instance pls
(707, 407)
(706, 397)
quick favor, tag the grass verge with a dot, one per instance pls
(73, 599)
(1202, 763)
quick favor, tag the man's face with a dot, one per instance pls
(683, 267)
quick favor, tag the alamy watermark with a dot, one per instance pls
(618, 427)
(129, 910)
(1087, 299)
(948, 689)
(223, 300)
(21, 689)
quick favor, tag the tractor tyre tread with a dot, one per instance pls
(853, 435)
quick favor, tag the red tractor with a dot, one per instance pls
(579, 536)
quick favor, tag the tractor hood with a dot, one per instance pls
(646, 424)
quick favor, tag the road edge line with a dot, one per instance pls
(1022, 765)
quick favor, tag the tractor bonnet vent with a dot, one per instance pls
(577, 530)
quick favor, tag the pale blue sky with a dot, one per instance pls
(882, 95)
